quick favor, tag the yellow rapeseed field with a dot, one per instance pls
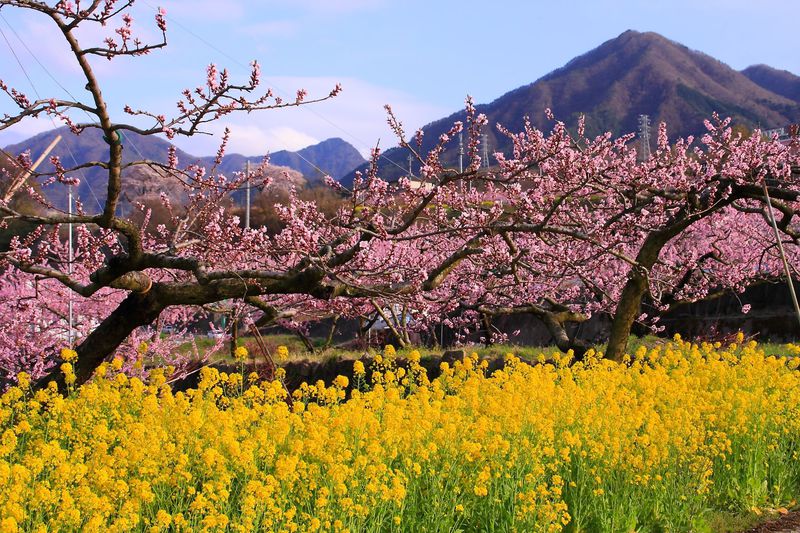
(655, 444)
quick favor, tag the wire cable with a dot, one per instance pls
(128, 138)
(38, 96)
(308, 109)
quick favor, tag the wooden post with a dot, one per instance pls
(778, 239)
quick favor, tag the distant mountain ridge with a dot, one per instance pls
(780, 82)
(333, 156)
(632, 74)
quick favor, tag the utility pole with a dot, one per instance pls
(247, 196)
(644, 137)
(70, 260)
(460, 152)
(70, 253)
(25, 174)
(23, 177)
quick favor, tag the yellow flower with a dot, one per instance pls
(23, 380)
(68, 355)
(163, 519)
(240, 353)
(669, 427)
(282, 353)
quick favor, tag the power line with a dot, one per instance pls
(129, 138)
(71, 253)
(38, 96)
(74, 98)
(308, 109)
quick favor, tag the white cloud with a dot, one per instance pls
(356, 115)
(41, 38)
(24, 130)
(41, 46)
(255, 140)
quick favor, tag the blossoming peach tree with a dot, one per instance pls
(562, 227)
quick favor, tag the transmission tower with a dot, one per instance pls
(485, 142)
(644, 137)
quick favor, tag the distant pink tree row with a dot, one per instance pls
(563, 227)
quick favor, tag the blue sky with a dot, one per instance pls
(420, 57)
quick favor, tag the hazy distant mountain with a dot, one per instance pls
(86, 147)
(635, 73)
(780, 82)
(334, 155)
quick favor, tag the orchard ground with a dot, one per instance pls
(299, 352)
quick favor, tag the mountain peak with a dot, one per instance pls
(333, 141)
(623, 52)
(639, 39)
(644, 36)
(335, 157)
(632, 74)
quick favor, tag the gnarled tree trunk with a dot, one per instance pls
(636, 287)
(135, 311)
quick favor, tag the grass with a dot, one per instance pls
(298, 350)
(727, 522)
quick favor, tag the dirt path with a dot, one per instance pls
(788, 523)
